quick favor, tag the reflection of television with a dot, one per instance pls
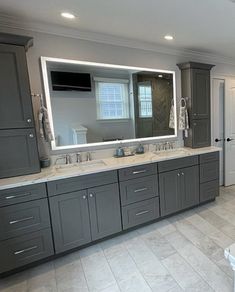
(67, 81)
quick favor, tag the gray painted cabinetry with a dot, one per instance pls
(18, 144)
(179, 189)
(87, 208)
(195, 82)
(25, 227)
(79, 217)
(139, 195)
(209, 176)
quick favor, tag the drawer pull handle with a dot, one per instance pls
(25, 250)
(21, 220)
(139, 171)
(140, 190)
(13, 197)
(142, 213)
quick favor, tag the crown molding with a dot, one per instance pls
(10, 22)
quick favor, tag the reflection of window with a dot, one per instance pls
(145, 100)
(112, 98)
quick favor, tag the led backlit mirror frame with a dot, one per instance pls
(44, 61)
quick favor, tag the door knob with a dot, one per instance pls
(218, 140)
(229, 139)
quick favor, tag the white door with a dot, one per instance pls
(218, 87)
(229, 131)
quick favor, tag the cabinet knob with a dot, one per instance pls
(29, 120)
(178, 174)
(195, 114)
(91, 195)
(194, 124)
(182, 173)
(84, 197)
(31, 135)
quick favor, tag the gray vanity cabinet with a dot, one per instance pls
(195, 82)
(15, 102)
(105, 214)
(18, 152)
(18, 143)
(70, 220)
(80, 217)
(169, 185)
(189, 179)
(179, 189)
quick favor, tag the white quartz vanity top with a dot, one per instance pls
(106, 164)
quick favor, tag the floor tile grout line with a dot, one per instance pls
(136, 263)
(111, 270)
(190, 263)
(214, 261)
(84, 272)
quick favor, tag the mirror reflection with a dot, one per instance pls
(92, 103)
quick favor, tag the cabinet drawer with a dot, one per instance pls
(140, 212)
(137, 171)
(209, 157)
(209, 171)
(82, 182)
(177, 163)
(25, 249)
(22, 194)
(23, 218)
(209, 190)
(140, 189)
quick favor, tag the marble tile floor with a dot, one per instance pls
(182, 253)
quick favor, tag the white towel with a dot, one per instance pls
(172, 117)
(183, 117)
(44, 125)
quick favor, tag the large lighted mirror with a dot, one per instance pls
(92, 103)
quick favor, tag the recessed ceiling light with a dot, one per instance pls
(168, 37)
(68, 15)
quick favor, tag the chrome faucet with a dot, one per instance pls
(68, 159)
(78, 157)
(88, 156)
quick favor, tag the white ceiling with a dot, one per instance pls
(197, 25)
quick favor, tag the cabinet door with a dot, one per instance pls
(201, 133)
(189, 186)
(201, 94)
(70, 220)
(105, 214)
(18, 152)
(169, 186)
(15, 96)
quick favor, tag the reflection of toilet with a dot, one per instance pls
(79, 135)
(229, 254)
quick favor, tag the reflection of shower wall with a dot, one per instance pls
(162, 98)
(162, 95)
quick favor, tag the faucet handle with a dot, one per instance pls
(88, 156)
(78, 157)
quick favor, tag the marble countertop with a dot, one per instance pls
(95, 166)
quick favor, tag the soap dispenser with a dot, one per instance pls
(139, 149)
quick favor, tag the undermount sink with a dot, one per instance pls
(79, 166)
(90, 164)
(173, 152)
(66, 167)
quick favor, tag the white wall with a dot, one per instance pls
(71, 48)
